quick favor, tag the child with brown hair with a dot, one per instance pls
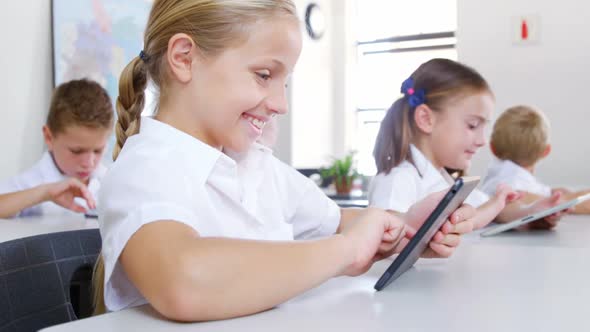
(520, 139)
(79, 122)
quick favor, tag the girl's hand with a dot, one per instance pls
(373, 236)
(448, 237)
(63, 193)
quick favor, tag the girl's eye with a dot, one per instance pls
(263, 75)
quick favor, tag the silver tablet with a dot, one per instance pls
(536, 216)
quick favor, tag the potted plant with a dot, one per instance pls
(343, 172)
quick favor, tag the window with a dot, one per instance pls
(393, 39)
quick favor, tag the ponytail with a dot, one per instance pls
(392, 145)
(435, 83)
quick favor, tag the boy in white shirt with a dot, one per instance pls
(520, 139)
(79, 122)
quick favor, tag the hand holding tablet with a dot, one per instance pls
(535, 216)
(419, 242)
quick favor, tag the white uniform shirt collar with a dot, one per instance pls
(508, 168)
(50, 172)
(165, 134)
(517, 176)
(432, 177)
(210, 160)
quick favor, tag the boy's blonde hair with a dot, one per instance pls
(214, 26)
(79, 103)
(521, 135)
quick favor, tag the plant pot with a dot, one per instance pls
(343, 185)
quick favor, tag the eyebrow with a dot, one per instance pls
(281, 65)
(277, 64)
(86, 149)
(479, 117)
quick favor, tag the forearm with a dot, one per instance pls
(486, 213)
(582, 208)
(348, 216)
(12, 203)
(261, 276)
(201, 279)
(513, 211)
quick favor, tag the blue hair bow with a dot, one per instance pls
(415, 97)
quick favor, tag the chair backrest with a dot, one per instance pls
(45, 280)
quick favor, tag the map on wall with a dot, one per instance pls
(96, 39)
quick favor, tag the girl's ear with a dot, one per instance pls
(48, 138)
(547, 151)
(425, 118)
(180, 55)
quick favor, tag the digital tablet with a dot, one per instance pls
(535, 216)
(91, 213)
(416, 246)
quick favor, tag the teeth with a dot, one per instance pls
(257, 123)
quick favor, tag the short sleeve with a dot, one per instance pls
(135, 192)
(311, 212)
(396, 191)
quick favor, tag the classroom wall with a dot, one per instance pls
(321, 113)
(308, 137)
(553, 74)
(25, 83)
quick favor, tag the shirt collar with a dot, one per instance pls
(49, 169)
(509, 167)
(426, 169)
(205, 155)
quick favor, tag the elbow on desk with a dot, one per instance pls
(187, 295)
(175, 305)
(182, 299)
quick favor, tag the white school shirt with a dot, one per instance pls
(165, 174)
(407, 184)
(45, 171)
(508, 172)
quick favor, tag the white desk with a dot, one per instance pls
(11, 229)
(485, 286)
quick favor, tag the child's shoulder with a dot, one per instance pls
(399, 178)
(33, 176)
(405, 170)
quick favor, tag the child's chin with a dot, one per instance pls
(461, 166)
(465, 165)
